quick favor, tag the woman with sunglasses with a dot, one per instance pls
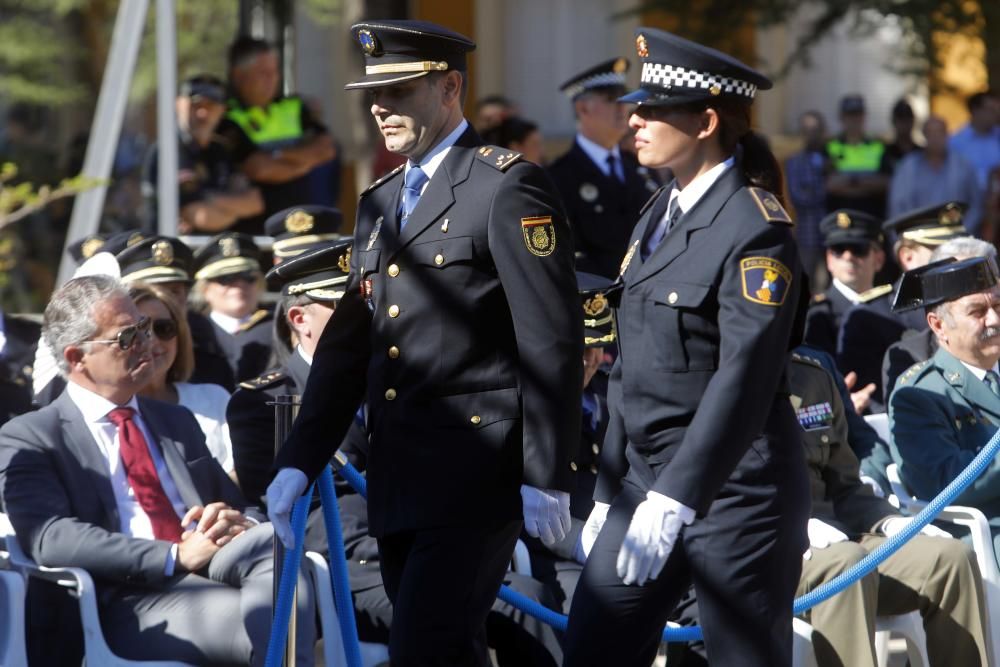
(702, 478)
(228, 279)
(173, 363)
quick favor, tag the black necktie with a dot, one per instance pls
(613, 168)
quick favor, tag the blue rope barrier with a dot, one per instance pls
(338, 570)
(820, 594)
(286, 585)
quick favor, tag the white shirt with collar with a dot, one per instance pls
(230, 325)
(980, 373)
(430, 162)
(686, 199)
(599, 154)
(134, 521)
(299, 350)
(848, 293)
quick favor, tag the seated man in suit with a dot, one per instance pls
(917, 346)
(944, 410)
(126, 489)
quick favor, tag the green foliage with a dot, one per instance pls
(19, 200)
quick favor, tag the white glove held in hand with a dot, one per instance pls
(590, 531)
(873, 485)
(651, 535)
(546, 513)
(896, 524)
(822, 535)
(288, 485)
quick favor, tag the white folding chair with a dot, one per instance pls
(80, 585)
(978, 526)
(333, 643)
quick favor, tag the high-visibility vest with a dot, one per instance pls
(865, 156)
(277, 125)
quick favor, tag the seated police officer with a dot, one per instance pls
(230, 281)
(601, 186)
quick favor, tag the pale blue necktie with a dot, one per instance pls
(993, 382)
(413, 183)
(663, 226)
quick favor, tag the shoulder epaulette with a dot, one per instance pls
(874, 293)
(265, 380)
(649, 202)
(912, 372)
(254, 319)
(819, 298)
(382, 180)
(498, 158)
(769, 206)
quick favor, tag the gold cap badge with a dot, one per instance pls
(596, 305)
(299, 222)
(620, 66)
(230, 247)
(951, 215)
(344, 262)
(843, 220)
(90, 247)
(163, 253)
(641, 47)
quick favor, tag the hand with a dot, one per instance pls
(590, 531)
(288, 485)
(546, 513)
(218, 521)
(656, 523)
(862, 397)
(195, 550)
(895, 525)
(822, 535)
(875, 486)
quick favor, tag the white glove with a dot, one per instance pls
(822, 535)
(651, 535)
(590, 531)
(288, 485)
(546, 513)
(896, 524)
(875, 486)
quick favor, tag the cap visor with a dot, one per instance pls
(377, 80)
(649, 98)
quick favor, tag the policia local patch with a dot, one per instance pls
(539, 235)
(765, 280)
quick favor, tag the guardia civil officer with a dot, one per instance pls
(602, 186)
(702, 465)
(460, 327)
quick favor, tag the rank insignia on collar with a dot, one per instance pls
(539, 235)
(628, 258)
(765, 280)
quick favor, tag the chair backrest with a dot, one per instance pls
(12, 637)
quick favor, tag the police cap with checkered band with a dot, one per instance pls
(397, 51)
(677, 71)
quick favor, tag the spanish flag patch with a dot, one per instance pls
(765, 280)
(539, 235)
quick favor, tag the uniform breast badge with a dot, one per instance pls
(374, 235)
(367, 293)
(628, 258)
(539, 235)
(765, 280)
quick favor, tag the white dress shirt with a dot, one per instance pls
(599, 155)
(980, 373)
(430, 163)
(850, 294)
(686, 199)
(230, 325)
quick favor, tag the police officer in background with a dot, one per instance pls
(460, 327)
(229, 280)
(276, 140)
(299, 229)
(18, 340)
(602, 186)
(702, 478)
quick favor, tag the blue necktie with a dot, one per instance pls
(413, 183)
(992, 381)
(613, 168)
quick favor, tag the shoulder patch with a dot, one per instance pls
(649, 202)
(765, 280)
(874, 293)
(539, 235)
(254, 319)
(498, 158)
(265, 380)
(382, 180)
(819, 298)
(912, 372)
(769, 206)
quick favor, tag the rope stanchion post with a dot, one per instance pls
(286, 408)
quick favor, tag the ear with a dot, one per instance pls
(296, 317)
(73, 354)
(879, 258)
(936, 325)
(452, 86)
(708, 123)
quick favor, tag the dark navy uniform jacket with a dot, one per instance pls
(705, 323)
(602, 210)
(464, 334)
(826, 311)
(249, 349)
(16, 363)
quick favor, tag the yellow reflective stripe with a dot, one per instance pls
(866, 156)
(280, 121)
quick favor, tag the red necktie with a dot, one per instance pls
(142, 477)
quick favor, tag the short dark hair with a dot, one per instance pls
(902, 109)
(463, 93)
(245, 48)
(498, 100)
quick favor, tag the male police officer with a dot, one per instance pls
(460, 319)
(602, 187)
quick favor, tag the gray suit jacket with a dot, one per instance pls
(55, 487)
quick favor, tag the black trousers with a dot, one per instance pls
(744, 558)
(442, 583)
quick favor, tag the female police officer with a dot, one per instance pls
(702, 466)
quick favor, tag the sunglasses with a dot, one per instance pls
(233, 278)
(856, 249)
(165, 329)
(127, 336)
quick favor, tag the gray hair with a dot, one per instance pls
(69, 317)
(964, 247)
